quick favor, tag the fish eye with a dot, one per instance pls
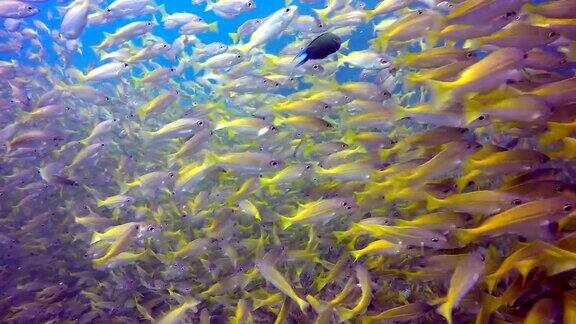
(308, 166)
(525, 56)
(287, 10)
(30, 8)
(552, 34)
(249, 4)
(516, 202)
(469, 54)
(320, 26)
(315, 67)
(125, 64)
(344, 204)
(481, 117)
(150, 228)
(109, 10)
(102, 145)
(326, 107)
(149, 24)
(107, 98)
(420, 12)
(171, 69)
(435, 239)
(567, 208)
(274, 163)
(482, 257)
(265, 81)
(199, 123)
(559, 189)
(383, 61)
(239, 56)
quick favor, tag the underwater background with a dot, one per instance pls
(304, 161)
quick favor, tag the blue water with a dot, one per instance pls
(94, 35)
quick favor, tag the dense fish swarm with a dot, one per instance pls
(191, 182)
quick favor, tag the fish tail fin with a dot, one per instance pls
(163, 12)
(233, 37)
(320, 284)
(244, 48)
(465, 180)
(77, 74)
(303, 305)
(400, 112)
(96, 49)
(340, 57)
(213, 27)
(525, 267)
(345, 314)
(441, 92)
(432, 202)
(137, 82)
(285, 222)
(380, 44)
(196, 66)
(349, 137)
(472, 44)
(209, 5)
(301, 58)
(412, 80)
(386, 153)
(321, 13)
(96, 237)
(357, 254)
(86, 141)
(316, 304)
(340, 235)
(491, 282)
(472, 110)
(166, 258)
(141, 113)
(370, 14)
(172, 160)
(432, 38)
(100, 262)
(464, 236)
(446, 311)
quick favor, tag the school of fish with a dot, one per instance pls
(182, 181)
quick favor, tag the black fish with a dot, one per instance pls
(319, 48)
